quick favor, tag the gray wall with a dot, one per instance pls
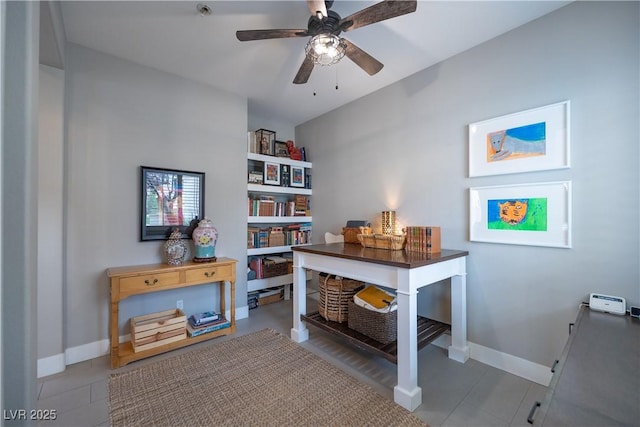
(50, 213)
(119, 116)
(405, 147)
(19, 193)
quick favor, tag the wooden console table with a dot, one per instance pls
(405, 272)
(142, 279)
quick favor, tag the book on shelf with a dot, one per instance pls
(200, 319)
(252, 144)
(209, 327)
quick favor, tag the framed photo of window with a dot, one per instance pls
(271, 173)
(297, 176)
(169, 199)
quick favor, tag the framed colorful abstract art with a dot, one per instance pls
(531, 140)
(524, 214)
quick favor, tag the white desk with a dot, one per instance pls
(405, 272)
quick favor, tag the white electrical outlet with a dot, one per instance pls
(179, 305)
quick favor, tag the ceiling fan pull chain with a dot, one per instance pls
(336, 78)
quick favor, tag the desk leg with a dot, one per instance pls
(299, 331)
(459, 350)
(407, 393)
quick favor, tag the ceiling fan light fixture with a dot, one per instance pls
(326, 49)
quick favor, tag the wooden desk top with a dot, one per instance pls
(399, 258)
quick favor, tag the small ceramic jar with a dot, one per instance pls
(204, 239)
(175, 248)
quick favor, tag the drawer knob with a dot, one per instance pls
(148, 283)
(209, 273)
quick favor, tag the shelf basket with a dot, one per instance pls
(383, 241)
(382, 327)
(335, 294)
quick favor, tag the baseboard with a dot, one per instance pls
(51, 365)
(86, 351)
(506, 362)
(514, 365)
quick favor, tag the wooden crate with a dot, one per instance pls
(156, 329)
(265, 297)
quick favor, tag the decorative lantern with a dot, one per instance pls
(204, 239)
(388, 222)
(175, 249)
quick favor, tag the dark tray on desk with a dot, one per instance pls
(428, 330)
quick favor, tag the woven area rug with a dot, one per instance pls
(262, 378)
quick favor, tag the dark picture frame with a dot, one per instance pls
(169, 199)
(271, 173)
(281, 149)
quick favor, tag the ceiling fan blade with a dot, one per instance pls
(362, 58)
(305, 71)
(248, 35)
(316, 6)
(378, 12)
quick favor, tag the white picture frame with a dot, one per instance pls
(297, 177)
(532, 140)
(494, 217)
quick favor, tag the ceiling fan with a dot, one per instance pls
(324, 27)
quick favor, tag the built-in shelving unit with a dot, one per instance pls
(283, 193)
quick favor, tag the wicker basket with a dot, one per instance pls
(382, 327)
(383, 241)
(335, 294)
(351, 233)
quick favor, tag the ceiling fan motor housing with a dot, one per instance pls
(328, 24)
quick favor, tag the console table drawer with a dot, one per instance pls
(209, 273)
(148, 282)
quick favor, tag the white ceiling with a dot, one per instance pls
(173, 37)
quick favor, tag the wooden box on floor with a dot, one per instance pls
(156, 329)
(269, 297)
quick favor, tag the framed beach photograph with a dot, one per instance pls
(536, 214)
(271, 173)
(297, 177)
(531, 140)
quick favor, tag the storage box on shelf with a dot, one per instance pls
(278, 217)
(156, 329)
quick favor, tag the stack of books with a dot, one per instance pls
(202, 323)
(423, 239)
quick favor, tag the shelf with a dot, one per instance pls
(260, 188)
(270, 282)
(127, 355)
(278, 219)
(270, 250)
(281, 160)
(428, 330)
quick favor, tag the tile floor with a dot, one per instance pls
(453, 394)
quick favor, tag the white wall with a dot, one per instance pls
(405, 147)
(120, 116)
